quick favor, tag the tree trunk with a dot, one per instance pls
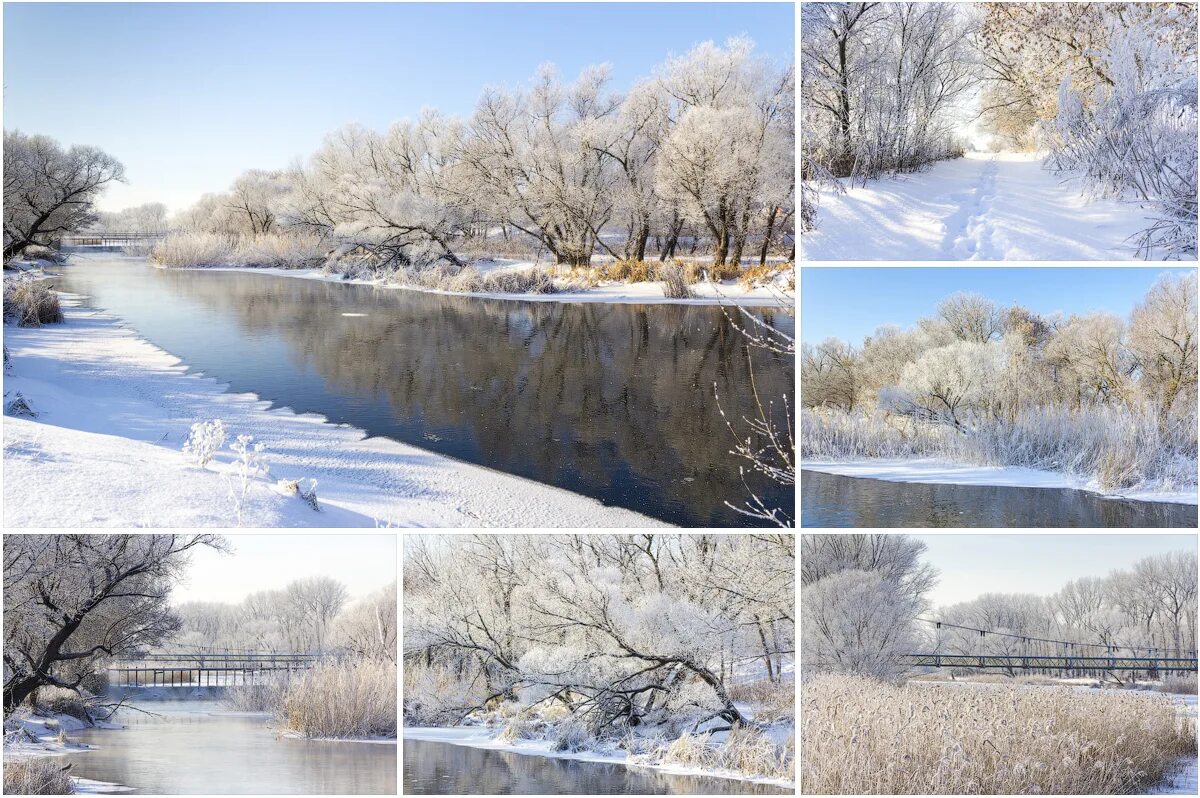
(762, 253)
(17, 692)
(643, 235)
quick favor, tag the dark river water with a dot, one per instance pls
(612, 401)
(432, 768)
(190, 747)
(828, 500)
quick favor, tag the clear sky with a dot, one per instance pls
(364, 563)
(851, 302)
(189, 95)
(972, 565)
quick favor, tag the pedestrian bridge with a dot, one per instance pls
(108, 239)
(1069, 663)
(204, 669)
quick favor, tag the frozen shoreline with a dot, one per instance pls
(942, 472)
(483, 737)
(114, 411)
(648, 293)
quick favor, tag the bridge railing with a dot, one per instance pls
(1063, 662)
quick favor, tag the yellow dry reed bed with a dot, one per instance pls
(859, 736)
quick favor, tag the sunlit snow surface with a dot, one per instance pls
(941, 472)
(980, 207)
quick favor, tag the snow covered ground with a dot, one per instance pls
(484, 737)
(114, 411)
(728, 292)
(941, 472)
(981, 207)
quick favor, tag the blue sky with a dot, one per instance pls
(189, 95)
(851, 302)
(972, 565)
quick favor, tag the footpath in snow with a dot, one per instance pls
(114, 411)
(941, 472)
(980, 207)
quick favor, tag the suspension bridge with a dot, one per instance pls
(204, 668)
(1012, 652)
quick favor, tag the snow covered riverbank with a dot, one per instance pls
(729, 292)
(114, 411)
(485, 737)
(980, 207)
(941, 472)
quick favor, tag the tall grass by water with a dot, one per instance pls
(45, 776)
(30, 302)
(860, 736)
(1110, 447)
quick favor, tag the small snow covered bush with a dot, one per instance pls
(192, 250)
(1184, 685)
(519, 281)
(19, 406)
(205, 439)
(30, 302)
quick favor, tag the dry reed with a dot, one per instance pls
(342, 699)
(859, 736)
(36, 777)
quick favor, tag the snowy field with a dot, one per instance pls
(114, 411)
(645, 293)
(981, 207)
(941, 472)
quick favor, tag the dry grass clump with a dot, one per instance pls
(865, 737)
(519, 281)
(1185, 685)
(674, 280)
(745, 750)
(763, 273)
(342, 699)
(31, 303)
(280, 250)
(626, 271)
(772, 701)
(192, 250)
(266, 696)
(36, 777)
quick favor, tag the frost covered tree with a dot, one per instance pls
(49, 190)
(1162, 337)
(617, 630)
(70, 601)
(148, 218)
(953, 382)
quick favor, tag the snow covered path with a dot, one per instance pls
(1005, 207)
(114, 411)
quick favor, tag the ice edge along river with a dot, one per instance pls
(941, 472)
(114, 411)
(484, 737)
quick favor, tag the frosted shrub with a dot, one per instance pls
(519, 281)
(205, 439)
(189, 250)
(249, 465)
(860, 736)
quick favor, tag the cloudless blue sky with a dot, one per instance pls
(189, 95)
(972, 565)
(851, 302)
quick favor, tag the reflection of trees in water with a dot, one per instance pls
(460, 770)
(578, 395)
